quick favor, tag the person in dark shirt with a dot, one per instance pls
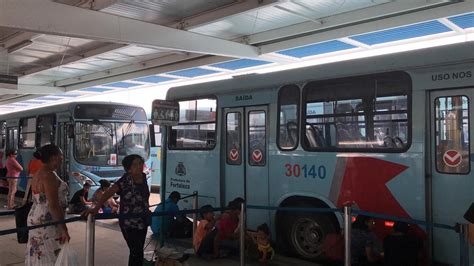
(173, 225)
(134, 194)
(401, 249)
(79, 201)
(364, 242)
(224, 237)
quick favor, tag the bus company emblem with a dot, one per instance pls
(180, 169)
(257, 156)
(452, 158)
(243, 97)
(234, 154)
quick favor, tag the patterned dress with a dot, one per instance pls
(43, 248)
(133, 200)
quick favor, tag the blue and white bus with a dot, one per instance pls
(390, 134)
(94, 137)
(154, 164)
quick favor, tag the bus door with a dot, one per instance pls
(12, 138)
(451, 164)
(246, 163)
(63, 144)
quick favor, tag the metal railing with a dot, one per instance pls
(348, 211)
(347, 234)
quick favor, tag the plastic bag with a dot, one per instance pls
(67, 257)
(170, 256)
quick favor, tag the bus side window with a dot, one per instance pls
(155, 135)
(45, 129)
(3, 134)
(292, 131)
(27, 132)
(173, 138)
(288, 105)
(311, 137)
(366, 113)
(452, 134)
(211, 139)
(196, 129)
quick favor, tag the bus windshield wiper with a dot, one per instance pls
(108, 129)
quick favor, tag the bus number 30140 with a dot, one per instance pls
(295, 170)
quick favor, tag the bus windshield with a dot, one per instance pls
(132, 139)
(107, 143)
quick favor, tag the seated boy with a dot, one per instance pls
(260, 246)
(173, 225)
(223, 237)
(263, 243)
(79, 201)
(204, 226)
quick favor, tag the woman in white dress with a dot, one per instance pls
(49, 203)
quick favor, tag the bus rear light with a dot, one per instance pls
(389, 223)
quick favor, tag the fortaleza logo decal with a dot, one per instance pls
(180, 183)
(180, 169)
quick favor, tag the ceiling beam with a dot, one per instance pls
(75, 58)
(332, 27)
(224, 12)
(119, 73)
(17, 98)
(204, 60)
(33, 89)
(353, 17)
(20, 37)
(198, 20)
(101, 4)
(88, 4)
(36, 16)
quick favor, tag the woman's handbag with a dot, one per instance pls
(21, 217)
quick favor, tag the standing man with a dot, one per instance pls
(173, 226)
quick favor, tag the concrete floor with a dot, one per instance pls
(110, 247)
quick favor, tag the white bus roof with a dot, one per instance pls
(56, 108)
(443, 55)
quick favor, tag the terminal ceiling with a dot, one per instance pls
(67, 49)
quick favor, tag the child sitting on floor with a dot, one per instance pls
(204, 226)
(263, 243)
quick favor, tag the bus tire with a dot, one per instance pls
(305, 232)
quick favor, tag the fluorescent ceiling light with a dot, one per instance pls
(374, 51)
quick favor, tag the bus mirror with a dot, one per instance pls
(70, 131)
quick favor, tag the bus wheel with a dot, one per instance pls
(306, 233)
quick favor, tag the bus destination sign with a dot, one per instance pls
(165, 113)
